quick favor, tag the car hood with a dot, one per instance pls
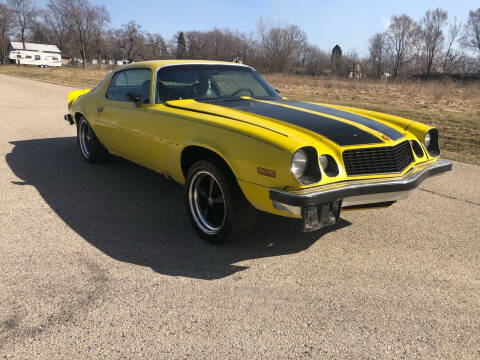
(345, 128)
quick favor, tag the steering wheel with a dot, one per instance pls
(242, 90)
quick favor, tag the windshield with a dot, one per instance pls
(209, 82)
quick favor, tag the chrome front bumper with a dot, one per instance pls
(356, 192)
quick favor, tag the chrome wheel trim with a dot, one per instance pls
(85, 136)
(205, 201)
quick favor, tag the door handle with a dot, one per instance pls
(99, 109)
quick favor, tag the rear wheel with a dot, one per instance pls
(90, 148)
(215, 204)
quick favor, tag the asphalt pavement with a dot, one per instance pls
(101, 262)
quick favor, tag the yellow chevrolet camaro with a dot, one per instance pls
(237, 145)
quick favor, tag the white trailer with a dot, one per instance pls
(34, 54)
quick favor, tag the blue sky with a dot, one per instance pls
(348, 23)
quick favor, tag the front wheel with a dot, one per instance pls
(215, 204)
(90, 148)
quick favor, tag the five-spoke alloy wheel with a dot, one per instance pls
(207, 202)
(215, 204)
(90, 148)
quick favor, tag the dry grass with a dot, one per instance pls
(79, 78)
(452, 107)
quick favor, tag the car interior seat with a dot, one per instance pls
(145, 92)
(161, 92)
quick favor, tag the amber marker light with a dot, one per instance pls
(266, 172)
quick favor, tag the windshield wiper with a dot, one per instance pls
(266, 97)
(226, 98)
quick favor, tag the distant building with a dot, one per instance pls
(34, 54)
(386, 75)
(357, 73)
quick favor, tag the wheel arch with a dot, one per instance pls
(195, 152)
(77, 116)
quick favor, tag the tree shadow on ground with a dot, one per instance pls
(134, 215)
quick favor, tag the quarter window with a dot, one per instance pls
(135, 81)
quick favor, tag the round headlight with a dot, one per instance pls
(324, 161)
(299, 163)
(427, 140)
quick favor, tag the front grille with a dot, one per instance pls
(378, 160)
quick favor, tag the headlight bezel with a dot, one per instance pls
(432, 146)
(299, 163)
(329, 165)
(311, 174)
(417, 149)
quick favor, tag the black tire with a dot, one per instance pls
(238, 216)
(91, 149)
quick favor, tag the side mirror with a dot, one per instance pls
(136, 98)
(278, 91)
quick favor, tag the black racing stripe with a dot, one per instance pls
(337, 131)
(372, 124)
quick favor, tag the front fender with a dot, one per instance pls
(244, 155)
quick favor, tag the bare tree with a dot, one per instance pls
(111, 50)
(98, 48)
(400, 36)
(469, 65)
(217, 44)
(6, 28)
(86, 23)
(471, 35)
(351, 62)
(57, 23)
(432, 25)
(246, 46)
(155, 47)
(130, 39)
(280, 44)
(40, 33)
(416, 56)
(25, 13)
(452, 57)
(378, 53)
(196, 43)
(315, 61)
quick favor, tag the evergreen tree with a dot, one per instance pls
(336, 59)
(337, 51)
(181, 46)
(163, 49)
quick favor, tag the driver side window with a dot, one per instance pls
(134, 81)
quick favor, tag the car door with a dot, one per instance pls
(125, 125)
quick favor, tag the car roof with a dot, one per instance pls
(155, 64)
